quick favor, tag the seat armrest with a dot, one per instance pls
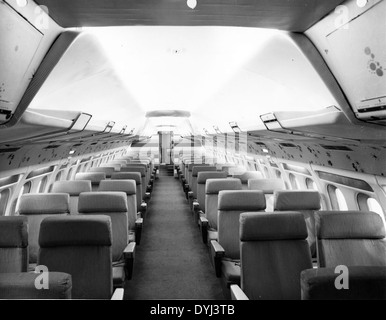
(138, 230)
(204, 223)
(237, 293)
(128, 256)
(218, 253)
(118, 294)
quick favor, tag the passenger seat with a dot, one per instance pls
(134, 218)
(13, 244)
(37, 207)
(350, 238)
(74, 188)
(94, 177)
(307, 202)
(274, 252)
(268, 186)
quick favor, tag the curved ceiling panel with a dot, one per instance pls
(290, 15)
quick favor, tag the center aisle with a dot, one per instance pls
(171, 262)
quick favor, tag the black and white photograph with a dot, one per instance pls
(192, 157)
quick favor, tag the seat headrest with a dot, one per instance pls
(107, 170)
(196, 163)
(14, 232)
(203, 176)
(244, 177)
(248, 200)
(73, 187)
(204, 168)
(272, 226)
(99, 202)
(44, 203)
(75, 231)
(127, 186)
(349, 225)
(268, 186)
(94, 177)
(287, 200)
(137, 165)
(141, 170)
(136, 176)
(214, 186)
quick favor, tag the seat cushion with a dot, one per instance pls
(118, 275)
(231, 271)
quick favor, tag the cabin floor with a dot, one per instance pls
(172, 262)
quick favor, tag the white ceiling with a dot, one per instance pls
(219, 74)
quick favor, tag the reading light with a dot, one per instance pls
(71, 152)
(206, 131)
(265, 150)
(191, 3)
(361, 3)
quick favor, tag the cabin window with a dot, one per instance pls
(278, 174)
(338, 201)
(42, 184)
(311, 185)
(293, 181)
(70, 173)
(266, 172)
(367, 203)
(4, 196)
(58, 176)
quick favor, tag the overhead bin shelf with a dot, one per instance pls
(330, 122)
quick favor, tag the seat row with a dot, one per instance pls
(225, 200)
(77, 255)
(275, 261)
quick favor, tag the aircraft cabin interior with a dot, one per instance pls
(193, 150)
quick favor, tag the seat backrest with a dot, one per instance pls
(307, 202)
(226, 167)
(202, 177)
(114, 205)
(136, 176)
(246, 176)
(116, 166)
(230, 205)
(213, 187)
(274, 252)
(37, 207)
(121, 162)
(80, 246)
(13, 244)
(74, 188)
(128, 187)
(268, 186)
(106, 170)
(140, 165)
(365, 283)
(142, 171)
(195, 171)
(350, 238)
(190, 170)
(94, 177)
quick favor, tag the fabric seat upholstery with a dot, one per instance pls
(306, 202)
(268, 186)
(94, 177)
(274, 252)
(80, 246)
(350, 238)
(74, 188)
(13, 244)
(36, 207)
